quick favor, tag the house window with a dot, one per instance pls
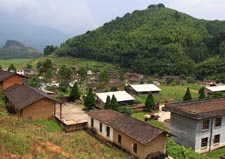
(107, 131)
(119, 139)
(218, 122)
(134, 148)
(205, 125)
(100, 127)
(204, 142)
(92, 122)
(216, 139)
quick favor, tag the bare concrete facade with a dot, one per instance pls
(190, 133)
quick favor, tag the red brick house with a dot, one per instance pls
(8, 79)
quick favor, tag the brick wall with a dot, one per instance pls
(16, 79)
(43, 109)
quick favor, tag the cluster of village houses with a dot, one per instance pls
(197, 124)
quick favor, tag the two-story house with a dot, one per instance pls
(198, 124)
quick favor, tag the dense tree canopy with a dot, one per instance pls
(155, 41)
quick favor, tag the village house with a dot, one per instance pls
(137, 137)
(123, 98)
(212, 89)
(133, 78)
(29, 102)
(114, 79)
(198, 124)
(8, 79)
(143, 89)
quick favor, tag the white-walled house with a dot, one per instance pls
(100, 122)
(137, 137)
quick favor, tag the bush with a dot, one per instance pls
(177, 151)
(126, 110)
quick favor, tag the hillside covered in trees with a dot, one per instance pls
(155, 41)
(16, 50)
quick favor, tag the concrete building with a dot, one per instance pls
(138, 138)
(198, 124)
(123, 98)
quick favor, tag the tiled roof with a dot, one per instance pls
(105, 116)
(22, 95)
(136, 129)
(5, 74)
(199, 109)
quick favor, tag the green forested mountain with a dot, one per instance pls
(16, 50)
(154, 41)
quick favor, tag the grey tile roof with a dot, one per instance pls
(22, 95)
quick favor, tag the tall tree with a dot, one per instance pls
(89, 100)
(65, 73)
(202, 93)
(74, 93)
(103, 77)
(12, 68)
(82, 73)
(49, 49)
(108, 104)
(150, 102)
(187, 95)
(115, 104)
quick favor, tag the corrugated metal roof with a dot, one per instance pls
(145, 87)
(120, 96)
(216, 88)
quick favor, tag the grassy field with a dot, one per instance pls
(171, 93)
(45, 139)
(18, 63)
(215, 154)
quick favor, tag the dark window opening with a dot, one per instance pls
(100, 127)
(134, 148)
(218, 122)
(107, 131)
(216, 139)
(204, 142)
(119, 139)
(92, 122)
(205, 125)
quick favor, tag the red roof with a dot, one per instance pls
(199, 109)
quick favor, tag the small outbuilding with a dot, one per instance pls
(123, 98)
(30, 102)
(212, 89)
(143, 89)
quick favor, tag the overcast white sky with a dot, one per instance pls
(74, 17)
